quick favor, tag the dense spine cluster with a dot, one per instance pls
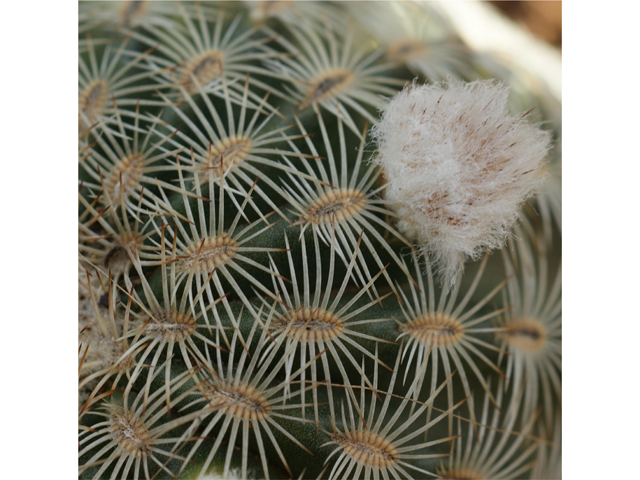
(251, 303)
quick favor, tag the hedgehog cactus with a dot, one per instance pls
(273, 221)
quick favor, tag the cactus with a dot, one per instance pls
(255, 303)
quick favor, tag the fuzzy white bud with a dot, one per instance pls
(458, 166)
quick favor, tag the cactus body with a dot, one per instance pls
(251, 305)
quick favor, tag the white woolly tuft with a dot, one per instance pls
(458, 167)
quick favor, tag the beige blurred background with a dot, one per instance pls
(542, 18)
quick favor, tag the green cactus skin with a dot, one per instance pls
(248, 306)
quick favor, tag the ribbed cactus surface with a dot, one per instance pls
(286, 272)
